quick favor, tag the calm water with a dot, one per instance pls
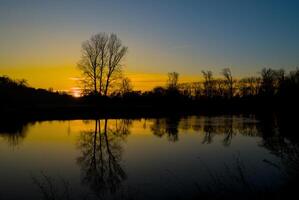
(177, 157)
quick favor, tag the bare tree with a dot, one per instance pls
(249, 86)
(208, 83)
(220, 87)
(101, 61)
(228, 81)
(197, 89)
(89, 63)
(186, 89)
(172, 82)
(126, 86)
(268, 82)
(271, 81)
(115, 54)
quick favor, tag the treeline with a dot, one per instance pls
(105, 89)
(18, 93)
(269, 84)
(271, 90)
(103, 83)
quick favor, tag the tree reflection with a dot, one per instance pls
(279, 139)
(101, 151)
(14, 132)
(228, 131)
(168, 126)
(208, 130)
(209, 126)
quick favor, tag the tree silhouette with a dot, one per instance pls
(116, 53)
(208, 83)
(101, 62)
(93, 61)
(125, 86)
(228, 80)
(172, 82)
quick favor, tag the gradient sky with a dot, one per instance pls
(41, 40)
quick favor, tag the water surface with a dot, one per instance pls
(158, 158)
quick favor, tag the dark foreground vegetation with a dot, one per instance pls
(273, 90)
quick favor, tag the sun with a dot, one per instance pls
(76, 92)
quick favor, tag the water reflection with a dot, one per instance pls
(271, 128)
(166, 126)
(280, 137)
(102, 145)
(170, 126)
(101, 154)
(14, 132)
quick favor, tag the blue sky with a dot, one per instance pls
(184, 36)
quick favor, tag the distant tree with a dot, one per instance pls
(159, 91)
(172, 82)
(228, 80)
(191, 90)
(197, 89)
(126, 86)
(290, 87)
(294, 76)
(279, 79)
(186, 89)
(19, 93)
(22, 82)
(220, 85)
(208, 83)
(271, 81)
(50, 89)
(249, 86)
(267, 85)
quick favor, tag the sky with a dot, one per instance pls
(41, 40)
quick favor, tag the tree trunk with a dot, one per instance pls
(95, 80)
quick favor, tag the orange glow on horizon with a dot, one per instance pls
(67, 79)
